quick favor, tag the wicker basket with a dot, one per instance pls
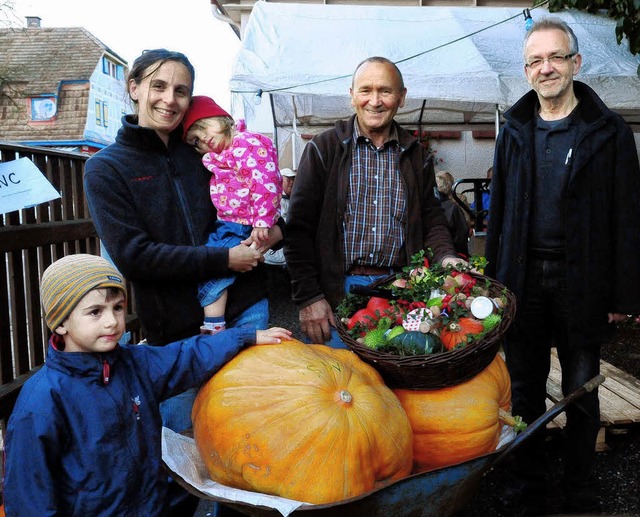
(430, 372)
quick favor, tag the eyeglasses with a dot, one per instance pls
(552, 60)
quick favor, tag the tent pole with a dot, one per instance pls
(273, 118)
(294, 137)
(424, 103)
(497, 121)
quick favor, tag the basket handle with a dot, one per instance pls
(365, 290)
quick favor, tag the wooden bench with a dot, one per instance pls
(619, 399)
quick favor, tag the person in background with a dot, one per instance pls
(276, 257)
(456, 220)
(564, 236)
(363, 202)
(486, 196)
(148, 197)
(245, 188)
(84, 437)
(486, 200)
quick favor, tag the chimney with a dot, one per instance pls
(33, 22)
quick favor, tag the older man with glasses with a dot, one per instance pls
(564, 235)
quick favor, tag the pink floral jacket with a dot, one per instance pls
(246, 186)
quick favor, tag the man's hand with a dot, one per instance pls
(242, 258)
(272, 336)
(316, 321)
(614, 317)
(454, 261)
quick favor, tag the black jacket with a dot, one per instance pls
(603, 211)
(313, 249)
(152, 211)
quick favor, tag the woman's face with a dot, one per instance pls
(163, 97)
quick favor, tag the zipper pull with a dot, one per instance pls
(106, 372)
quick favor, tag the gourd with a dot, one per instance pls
(457, 423)
(457, 333)
(305, 422)
(415, 342)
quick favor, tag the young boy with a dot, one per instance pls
(85, 435)
(245, 188)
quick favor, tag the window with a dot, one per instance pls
(105, 114)
(98, 110)
(110, 68)
(43, 108)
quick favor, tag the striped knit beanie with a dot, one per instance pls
(65, 282)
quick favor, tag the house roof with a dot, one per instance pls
(60, 62)
(41, 58)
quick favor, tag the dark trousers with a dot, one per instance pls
(542, 322)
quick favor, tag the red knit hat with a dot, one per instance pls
(201, 107)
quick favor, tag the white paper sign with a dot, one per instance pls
(22, 185)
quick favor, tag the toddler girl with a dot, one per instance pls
(245, 188)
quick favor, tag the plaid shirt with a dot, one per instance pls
(376, 205)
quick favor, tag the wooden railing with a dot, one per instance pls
(30, 240)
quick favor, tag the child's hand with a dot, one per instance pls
(272, 336)
(260, 236)
(274, 235)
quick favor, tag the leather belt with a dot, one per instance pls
(372, 270)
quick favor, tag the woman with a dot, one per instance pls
(456, 220)
(148, 195)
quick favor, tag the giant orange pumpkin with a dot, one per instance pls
(305, 422)
(457, 423)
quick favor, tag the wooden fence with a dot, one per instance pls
(30, 240)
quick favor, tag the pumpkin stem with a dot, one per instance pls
(344, 397)
(508, 419)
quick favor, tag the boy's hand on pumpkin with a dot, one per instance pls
(272, 336)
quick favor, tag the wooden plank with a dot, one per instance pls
(625, 385)
(619, 395)
(19, 237)
(558, 422)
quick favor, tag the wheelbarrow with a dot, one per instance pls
(441, 492)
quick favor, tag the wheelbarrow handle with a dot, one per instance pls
(550, 414)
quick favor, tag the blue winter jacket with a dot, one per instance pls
(85, 435)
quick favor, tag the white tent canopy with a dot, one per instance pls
(459, 64)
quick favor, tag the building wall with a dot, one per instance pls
(108, 101)
(466, 157)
